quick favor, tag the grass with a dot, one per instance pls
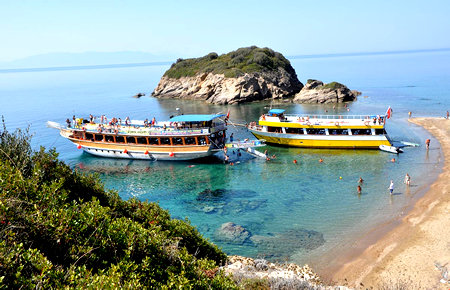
(234, 64)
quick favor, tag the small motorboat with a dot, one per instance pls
(391, 149)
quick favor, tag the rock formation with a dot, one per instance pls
(232, 233)
(245, 75)
(317, 92)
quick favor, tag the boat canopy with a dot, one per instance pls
(195, 118)
(276, 111)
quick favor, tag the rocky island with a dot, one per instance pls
(317, 92)
(244, 75)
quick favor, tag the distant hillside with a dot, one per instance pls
(58, 59)
(233, 64)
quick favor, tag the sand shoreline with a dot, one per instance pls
(408, 252)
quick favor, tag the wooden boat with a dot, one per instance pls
(322, 131)
(183, 137)
(391, 149)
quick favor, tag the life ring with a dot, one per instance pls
(336, 124)
(367, 123)
(116, 131)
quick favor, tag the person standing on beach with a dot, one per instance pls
(407, 179)
(427, 143)
(391, 187)
(447, 115)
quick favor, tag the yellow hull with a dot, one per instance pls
(324, 143)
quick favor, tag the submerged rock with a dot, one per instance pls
(245, 75)
(317, 92)
(232, 233)
(282, 245)
(223, 194)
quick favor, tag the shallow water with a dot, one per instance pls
(293, 211)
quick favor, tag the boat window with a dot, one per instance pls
(153, 141)
(109, 138)
(274, 129)
(189, 140)
(141, 140)
(201, 140)
(89, 136)
(338, 131)
(131, 140)
(120, 139)
(77, 135)
(294, 130)
(165, 141)
(380, 132)
(177, 141)
(315, 131)
(98, 137)
(361, 132)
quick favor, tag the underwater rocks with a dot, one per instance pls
(223, 194)
(283, 244)
(232, 233)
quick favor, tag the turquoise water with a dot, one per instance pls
(299, 212)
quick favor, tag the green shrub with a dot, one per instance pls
(60, 228)
(234, 64)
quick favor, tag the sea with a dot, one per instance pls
(307, 212)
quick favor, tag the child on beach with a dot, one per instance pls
(391, 187)
(407, 179)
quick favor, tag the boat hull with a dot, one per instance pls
(113, 150)
(323, 141)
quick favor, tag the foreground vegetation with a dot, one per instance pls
(60, 228)
(234, 64)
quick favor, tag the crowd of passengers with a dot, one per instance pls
(114, 123)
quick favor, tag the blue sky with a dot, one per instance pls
(194, 28)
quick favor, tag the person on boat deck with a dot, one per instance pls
(91, 119)
(74, 121)
(68, 123)
(374, 120)
(153, 121)
(127, 121)
(263, 117)
(146, 123)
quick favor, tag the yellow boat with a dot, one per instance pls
(322, 131)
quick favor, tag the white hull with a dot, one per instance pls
(142, 156)
(390, 149)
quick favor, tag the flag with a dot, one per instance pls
(389, 112)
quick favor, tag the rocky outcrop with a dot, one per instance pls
(244, 75)
(218, 89)
(317, 92)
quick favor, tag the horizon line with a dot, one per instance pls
(156, 63)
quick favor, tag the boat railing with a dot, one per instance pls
(333, 117)
(129, 130)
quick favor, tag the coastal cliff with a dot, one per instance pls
(244, 75)
(317, 92)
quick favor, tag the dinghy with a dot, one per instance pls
(391, 149)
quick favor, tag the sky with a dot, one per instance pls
(195, 28)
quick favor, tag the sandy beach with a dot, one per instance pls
(408, 255)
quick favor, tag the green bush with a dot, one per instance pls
(234, 64)
(60, 228)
